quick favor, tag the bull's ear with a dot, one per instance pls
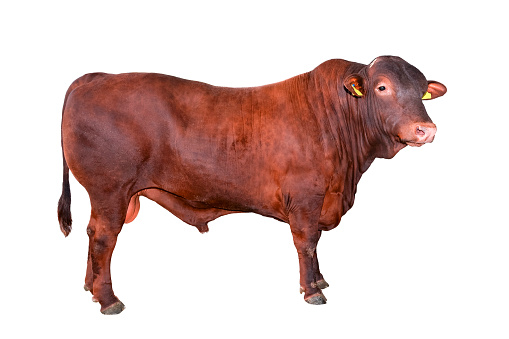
(435, 90)
(354, 83)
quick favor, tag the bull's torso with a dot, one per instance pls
(242, 149)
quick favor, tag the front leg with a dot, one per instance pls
(320, 281)
(304, 226)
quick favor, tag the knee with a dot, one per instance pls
(310, 251)
(102, 244)
(306, 250)
(90, 231)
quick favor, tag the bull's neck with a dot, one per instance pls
(345, 130)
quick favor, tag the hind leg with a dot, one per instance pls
(103, 237)
(105, 224)
(89, 277)
(132, 212)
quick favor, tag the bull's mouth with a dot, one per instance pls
(408, 142)
(413, 144)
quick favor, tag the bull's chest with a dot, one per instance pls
(332, 211)
(335, 204)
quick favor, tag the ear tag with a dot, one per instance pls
(426, 96)
(359, 93)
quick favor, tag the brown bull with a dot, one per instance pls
(294, 151)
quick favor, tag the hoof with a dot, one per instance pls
(116, 308)
(321, 284)
(317, 299)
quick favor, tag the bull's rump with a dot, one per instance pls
(229, 148)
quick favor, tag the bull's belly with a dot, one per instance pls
(197, 214)
(202, 208)
(232, 190)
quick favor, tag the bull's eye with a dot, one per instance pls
(381, 88)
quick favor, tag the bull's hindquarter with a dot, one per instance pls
(201, 152)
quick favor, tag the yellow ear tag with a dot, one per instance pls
(426, 96)
(359, 93)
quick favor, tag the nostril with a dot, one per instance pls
(419, 134)
(420, 131)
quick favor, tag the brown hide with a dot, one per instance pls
(294, 151)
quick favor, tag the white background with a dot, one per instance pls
(424, 252)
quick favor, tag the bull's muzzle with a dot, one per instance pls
(422, 134)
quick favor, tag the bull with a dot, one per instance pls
(293, 150)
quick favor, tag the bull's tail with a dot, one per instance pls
(64, 203)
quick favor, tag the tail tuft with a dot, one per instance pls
(64, 216)
(64, 204)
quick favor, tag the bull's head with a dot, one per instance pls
(393, 91)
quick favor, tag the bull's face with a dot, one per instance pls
(394, 91)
